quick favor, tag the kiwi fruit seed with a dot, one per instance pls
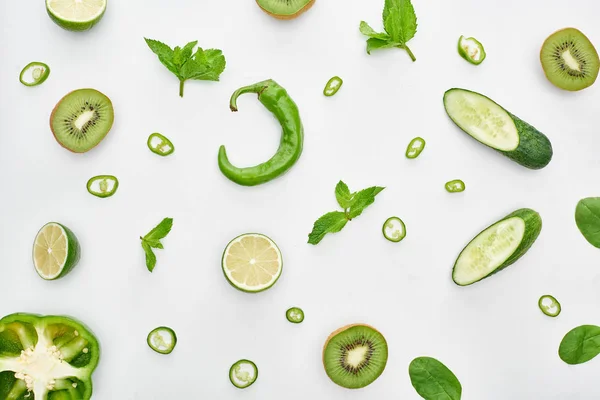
(570, 60)
(355, 355)
(285, 9)
(81, 120)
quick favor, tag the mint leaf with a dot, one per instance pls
(343, 195)
(160, 49)
(366, 30)
(152, 240)
(150, 257)
(160, 231)
(374, 44)
(329, 223)
(362, 200)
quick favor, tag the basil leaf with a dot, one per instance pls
(433, 380)
(580, 345)
(587, 218)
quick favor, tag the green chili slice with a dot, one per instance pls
(455, 186)
(295, 315)
(415, 147)
(159, 144)
(162, 340)
(394, 229)
(471, 50)
(333, 85)
(34, 73)
(103, 185)
(549, 305)
(243, 373)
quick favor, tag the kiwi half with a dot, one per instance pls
(285, 9)
(82, 119)
(355, 355)
(570, 60)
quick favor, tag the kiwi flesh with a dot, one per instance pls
(570, 60)
(285, 9)
(355, 355)
(82, 119)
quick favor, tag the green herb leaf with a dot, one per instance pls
(343, 195)
(152, 240)
(362, 200)
(587, 218)
(184, 64)
(374, 44)
(433, 380)
(366, 30)
(580, 345)
(329, 223)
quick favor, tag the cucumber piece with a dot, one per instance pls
(490, 124)
(497, 247)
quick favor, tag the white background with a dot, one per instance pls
(492, 335)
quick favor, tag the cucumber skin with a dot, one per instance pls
(534, 150)
(533, 227)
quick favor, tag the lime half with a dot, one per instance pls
(55, 251)
(76, 15)
(252, 262)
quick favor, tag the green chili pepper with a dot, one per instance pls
(415, 147)
(162, 340)
(295, 315)
(549, 305)
(471, 50)
(159, 144)
(394, 229)
(103, 185)
(275, 99)
(455, 186)
(243, 373)
(46, 357)
(34, 73)
(333, 86)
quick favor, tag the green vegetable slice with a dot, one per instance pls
(471, 50)
(46, 357)
(549, 305)
(295, 315)
(497, 247)
(394, 229)
(415, 147)
(333, 85)
(433, 380)
(162, 340)
(243, 373)
(103, 185)
(159, 144)
(455, 186)
(587, 218)
(35, 73)
(580, 345)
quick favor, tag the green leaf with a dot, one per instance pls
(374, 44)
(160, 49)
(433, 380)
(366, 30)
(362, 200)
(154, 244)
(587, 218)
(343, 195)
(186, 52)
(329, 223)
(401, 21)
(389, 4)
(160, 231)
(150, 257)
(580, 345)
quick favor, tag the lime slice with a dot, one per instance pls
(252, 262)
(76, 15)
(55, 251)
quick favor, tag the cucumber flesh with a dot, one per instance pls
(483, 119)
(497, 247)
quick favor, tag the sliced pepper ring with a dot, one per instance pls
(549, 305)
(161, 145)
(455, 186)
(295, 315)
(35, 73)
(243, 374)
(162, 340)
(332, 86)
(103, 185)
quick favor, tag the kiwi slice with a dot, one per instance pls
(570, 60)
(82, 119)
(355, 355)
(285, 9)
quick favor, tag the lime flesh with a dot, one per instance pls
(76, 15)
(56, 251)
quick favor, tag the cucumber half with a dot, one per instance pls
(497, 247)
(489, 123)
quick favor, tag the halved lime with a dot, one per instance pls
(252, 262)
(55, 251)
(76, 15)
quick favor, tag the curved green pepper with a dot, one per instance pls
(275, 99)
(51, 357)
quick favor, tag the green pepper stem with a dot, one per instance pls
(256, 88)
(181, 82)
(410, 53)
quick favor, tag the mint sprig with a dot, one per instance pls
(353, 205)
(400, 24)
(204, 65)
(152, 241)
